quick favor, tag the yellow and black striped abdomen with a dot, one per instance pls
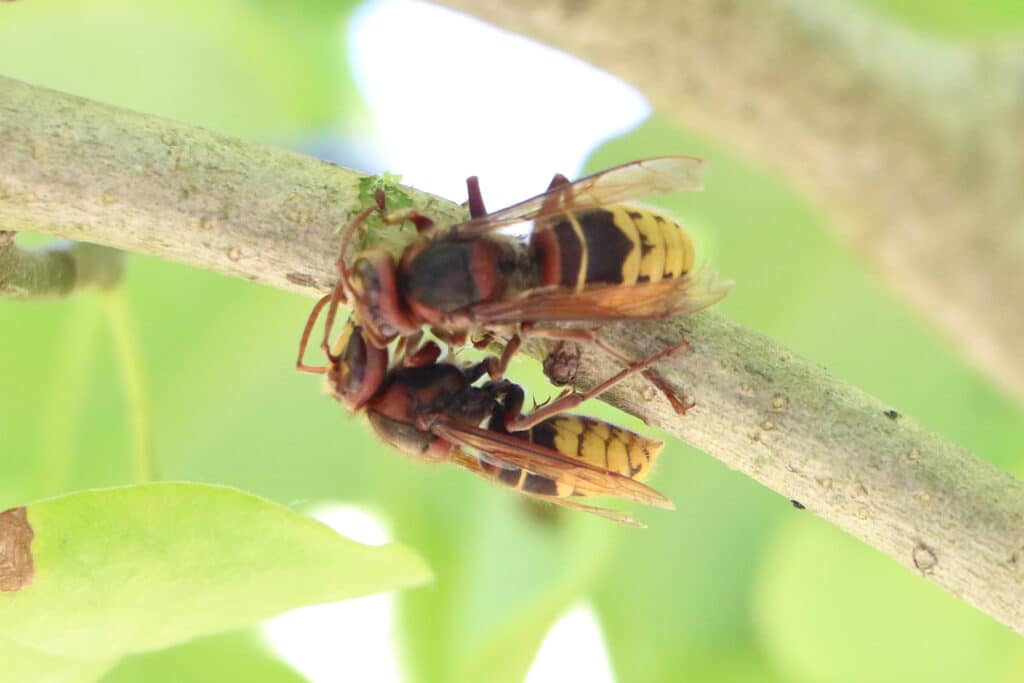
(594, 442)
(599, 444)
(612, 245)
(666, 249)
(521, 480)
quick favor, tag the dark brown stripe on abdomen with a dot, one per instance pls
(607, 246)
(570, 252)
(542, 486)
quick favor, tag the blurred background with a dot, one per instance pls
(735, 585)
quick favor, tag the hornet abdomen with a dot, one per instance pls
(621, 245)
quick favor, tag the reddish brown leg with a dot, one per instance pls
(553, 199)
(421, 222)
(397, 218)
(679, 405)
(453, 340)
(496, 367)
(424, 355)
(483, 341)
(417, 354)
(570, 399)
(476, 200)
(314, 315)
(400, 349)
(557, 181)
(512, 407)
(343, 285)
(411, 352)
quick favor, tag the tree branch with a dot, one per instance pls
(56, 270)
(912, 144)
(846, 456)
(86, 171)
(190, 195)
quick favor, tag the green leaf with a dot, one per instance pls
(235, 656)
(817, 622)
(239, 67)
(986, 20)
(24, 663)
(507, 569)
(676, 597)
(139, 568)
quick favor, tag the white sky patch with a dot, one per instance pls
(342, 641)
(573, 650)
(453, 97)
(354, 523)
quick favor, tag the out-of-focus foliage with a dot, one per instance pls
(927, 634)
(265, 68)
(125, 570)
(735, 585)
(235, 656)
(958, 20)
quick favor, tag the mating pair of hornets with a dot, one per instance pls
(587, 259)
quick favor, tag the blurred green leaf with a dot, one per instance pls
(23, 663)
(677, 594)
(236, 656)
(257, 69)
(987, 19)
(506, 568)
(733, 665)
(138, 568)
(825, 600)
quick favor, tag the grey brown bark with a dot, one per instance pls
(55, 270)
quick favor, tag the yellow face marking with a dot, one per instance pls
(357, 284)
(631, 265)
(652, 263)
(581, 276)
(343, 339)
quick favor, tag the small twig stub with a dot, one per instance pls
(16, 565)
